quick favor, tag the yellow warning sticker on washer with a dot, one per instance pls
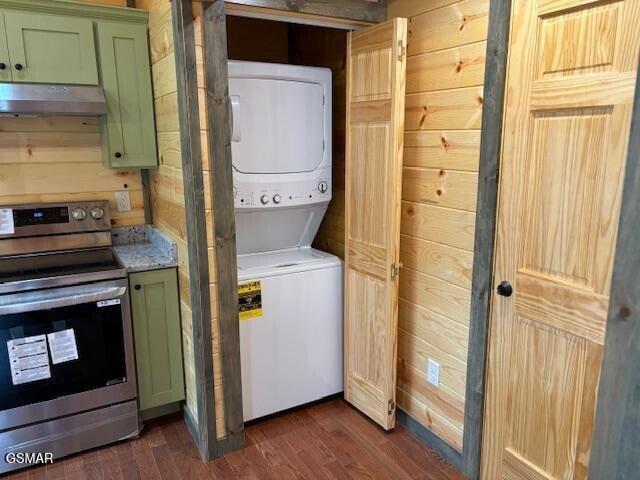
(250, 300)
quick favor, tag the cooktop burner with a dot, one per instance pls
(51, 265)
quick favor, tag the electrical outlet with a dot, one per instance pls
(123, 201)
(433, 372)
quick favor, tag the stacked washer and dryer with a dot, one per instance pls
(291, 346)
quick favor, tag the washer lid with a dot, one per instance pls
(282, 262)
(278, 125)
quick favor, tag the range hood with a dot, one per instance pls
(32, 99)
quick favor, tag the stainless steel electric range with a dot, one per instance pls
(67, 375)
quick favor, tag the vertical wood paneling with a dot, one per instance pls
(445, 74)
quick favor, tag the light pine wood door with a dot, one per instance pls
(376, 61)
(571, 75)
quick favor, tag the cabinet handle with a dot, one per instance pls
(3, 66)
(137, 287)
(117, 155)
(18, 66)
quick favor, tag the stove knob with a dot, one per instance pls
(97, 213)
(264, 199)
(323, 187)
(79, 214)
(277, 198)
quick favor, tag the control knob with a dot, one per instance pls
(97, 213)
(79, 214)
(323, 187)
(277, 198)
(264, 199)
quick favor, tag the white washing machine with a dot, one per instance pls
(291, 295)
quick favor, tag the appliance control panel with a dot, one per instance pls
(265, 194)
(50, 219)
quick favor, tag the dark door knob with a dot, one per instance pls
(137, 287)
(117, 155)
(18, 66)
(505, 289)
(3, 66)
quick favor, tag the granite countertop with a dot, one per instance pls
(144, 247)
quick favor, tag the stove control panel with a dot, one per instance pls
(53, 219)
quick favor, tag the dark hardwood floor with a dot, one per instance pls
(325, 441)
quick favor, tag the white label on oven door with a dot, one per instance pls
(108, 303)
(29, 359)
(6, 221)
(63, 346)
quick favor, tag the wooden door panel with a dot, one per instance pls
(562, 305)
(597, 23)
(570, 84)
(369, 152)
(368, 375)
(375, 123)
(551, 385)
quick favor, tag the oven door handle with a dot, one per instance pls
(48, 300)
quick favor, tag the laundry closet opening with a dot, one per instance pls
(287, 87)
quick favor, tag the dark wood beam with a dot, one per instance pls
(214, 33)
(615, 452)
(483, 252)
(362, 10)
(188, 111)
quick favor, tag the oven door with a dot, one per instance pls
(63, 351)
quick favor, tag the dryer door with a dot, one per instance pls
(278, 125)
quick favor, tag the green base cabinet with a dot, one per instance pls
(158, 342)
(129, 133)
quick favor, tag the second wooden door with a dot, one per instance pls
(571, 77)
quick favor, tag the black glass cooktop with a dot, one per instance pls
(47, 265)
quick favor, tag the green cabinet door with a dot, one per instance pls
(5, 62)
(51, 48)
(129, 126)
(157, 335)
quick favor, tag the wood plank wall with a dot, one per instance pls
(167, 193)
(445, 69)
(59, 159)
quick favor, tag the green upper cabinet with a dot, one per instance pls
(46, 48)
(158, 340)
(5, 62)
(126, 77)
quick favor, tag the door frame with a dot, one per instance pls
(616, 444)
(203, 429)
(484, 242)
